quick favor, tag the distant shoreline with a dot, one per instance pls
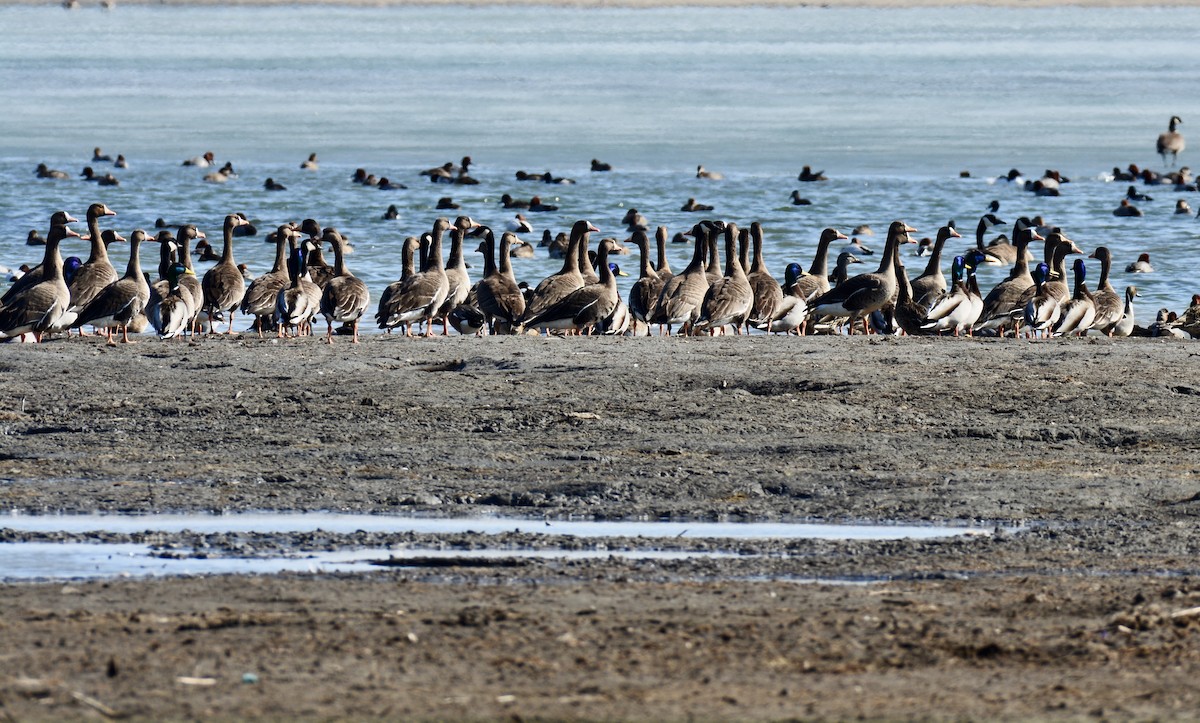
(897, 4)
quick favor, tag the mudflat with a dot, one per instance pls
(1080, 454)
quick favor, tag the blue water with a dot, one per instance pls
(893, 104)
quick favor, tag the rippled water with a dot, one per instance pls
(891, 103)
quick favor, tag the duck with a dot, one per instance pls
(535, 204)
(1079, 313)
(1042, 310)
(271, 185)
(497, 293)
(107, 179)
(1107, 302)
(441, 174)
(954, 311)
(205, 251)
(549, 177)
(1182, 207)
(857, 248)
(33, 238)
(931, 284)
(422, 294)
(691, 205)
(861, 295)
(816, 281)
(391, 214)
(789, 314)
(221, 175)
(643, 295)
(797, 200)
(556, 287)
(519, 224)
(120, 162)
(37, 307)
(767, 292)
(99, 156)
(557, 248)
(586, 307)
(1006, 301)
(710, 175)
(522, 250)
(223, 284)
(729, 300)
(171, 317)
(201, 161)
(683, 295)
(122, 301)
(300, 300)
(345, 297)
(1127, 209)
(446, 203)
(44, 171)
(1125, 325)
(262, 296)
(1171, 142)
(663, 265)
(808, 175)
(598, 167)
(1141, 266)
(386, 184)
(1133, 194)
(635, 221)
(508, 201)
(1163, 326)
(310, 164)
(1189, 320)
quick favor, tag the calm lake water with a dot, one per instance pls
(892, 104)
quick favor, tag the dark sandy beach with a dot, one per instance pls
(1083, 450)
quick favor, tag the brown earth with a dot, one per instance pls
(1083, 605)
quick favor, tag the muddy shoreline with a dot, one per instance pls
(1085, 445)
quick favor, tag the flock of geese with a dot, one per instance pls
(707, 297)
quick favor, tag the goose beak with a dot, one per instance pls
(954, 233)
(841, 235)
(909, 229)
(72, 219)
(72, 232)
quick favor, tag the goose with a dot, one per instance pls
(171, 318)
(191, 289)
(555, 287)
(262, 296)
(1108, 303)
(908, 314)
(1124, 326)
(300, 300)
(1006, 301)
(865, 293)
(421, 294)
(224, 286)
(728, 301)
(711, 175)
(160, 289)
(791, 310)
(29, 277)
(37, 307)
(310, 164)
(586, 307)
(318, 268)
(931, 284)
(1079, 313)
(1170, 142)
(682, 296)
(988, 221)
(767, 292)
(497, 293)
(808, 175)
(44, 171)
(598, 167)
(121, 301)
(643, 295)
(345, 297)
(1042, 309)
(816, 282)
(1057, 282)
(713, 271)
(97, 272)
(662, 266)
(841, 271)
(459, 281)
(1141, 266)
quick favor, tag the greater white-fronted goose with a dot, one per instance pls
(1107, 301)
(931, 284)
(121, 301)
(499, 297)
(728, 301)
(300, 300)
(643, 295)
(908, 314)
(457, 278)
(422, 294)
(1057, 283)
(407, 269)
(262, 296)
(1125, 325)
(866, 293)
(345, 297)
(1004, 305)
(1079, 312)
(224, 286)
(190, 286)
(662, 266)
(1170, 142)
(38, 307)
(767, 292)
(97, 272)
(32, 277)
(713, 270)
(816, 281)
(586, 307)
(554, 288)
(683, 294)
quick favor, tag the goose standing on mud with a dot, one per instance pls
(457, 278)
(1125, 325)
(1005, 303)
(262, 296)
(1108, 304)
(421, 295)
(499, 297)
(728, 301)
(683, 294)
(345, 297)
(767, 292)
(191, 289)
(1171, 141)
(586, 307)
(38, 307)
(1079, 313)
(97, 272)
(866, 293)
(224, 286)
(554, 288)
(300, 301)
(662, 266)
(643, 295)
(930, 285)
(816, 282)
(120, 303)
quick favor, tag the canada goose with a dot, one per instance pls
(1171, 141)
(1079, 313)
(1108, 303)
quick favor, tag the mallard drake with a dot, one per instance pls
(729, 300)
(554, 288)
(931, 284)
(865, 293)
(1079, 313)
(300, 301)
(1042, 309)
(1005, 303)
(499, 297)
(683, 294)
(171, 317)
(224, 286)
(1108, 303)
(585, 308)
(1171, 142)
(345, 297)
(1125, 325)
(767, 292)
(38, 307)
(643, 296)
(421, 295)
(122, 301)
(262, 296)
(791, 310)
(953, 311)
